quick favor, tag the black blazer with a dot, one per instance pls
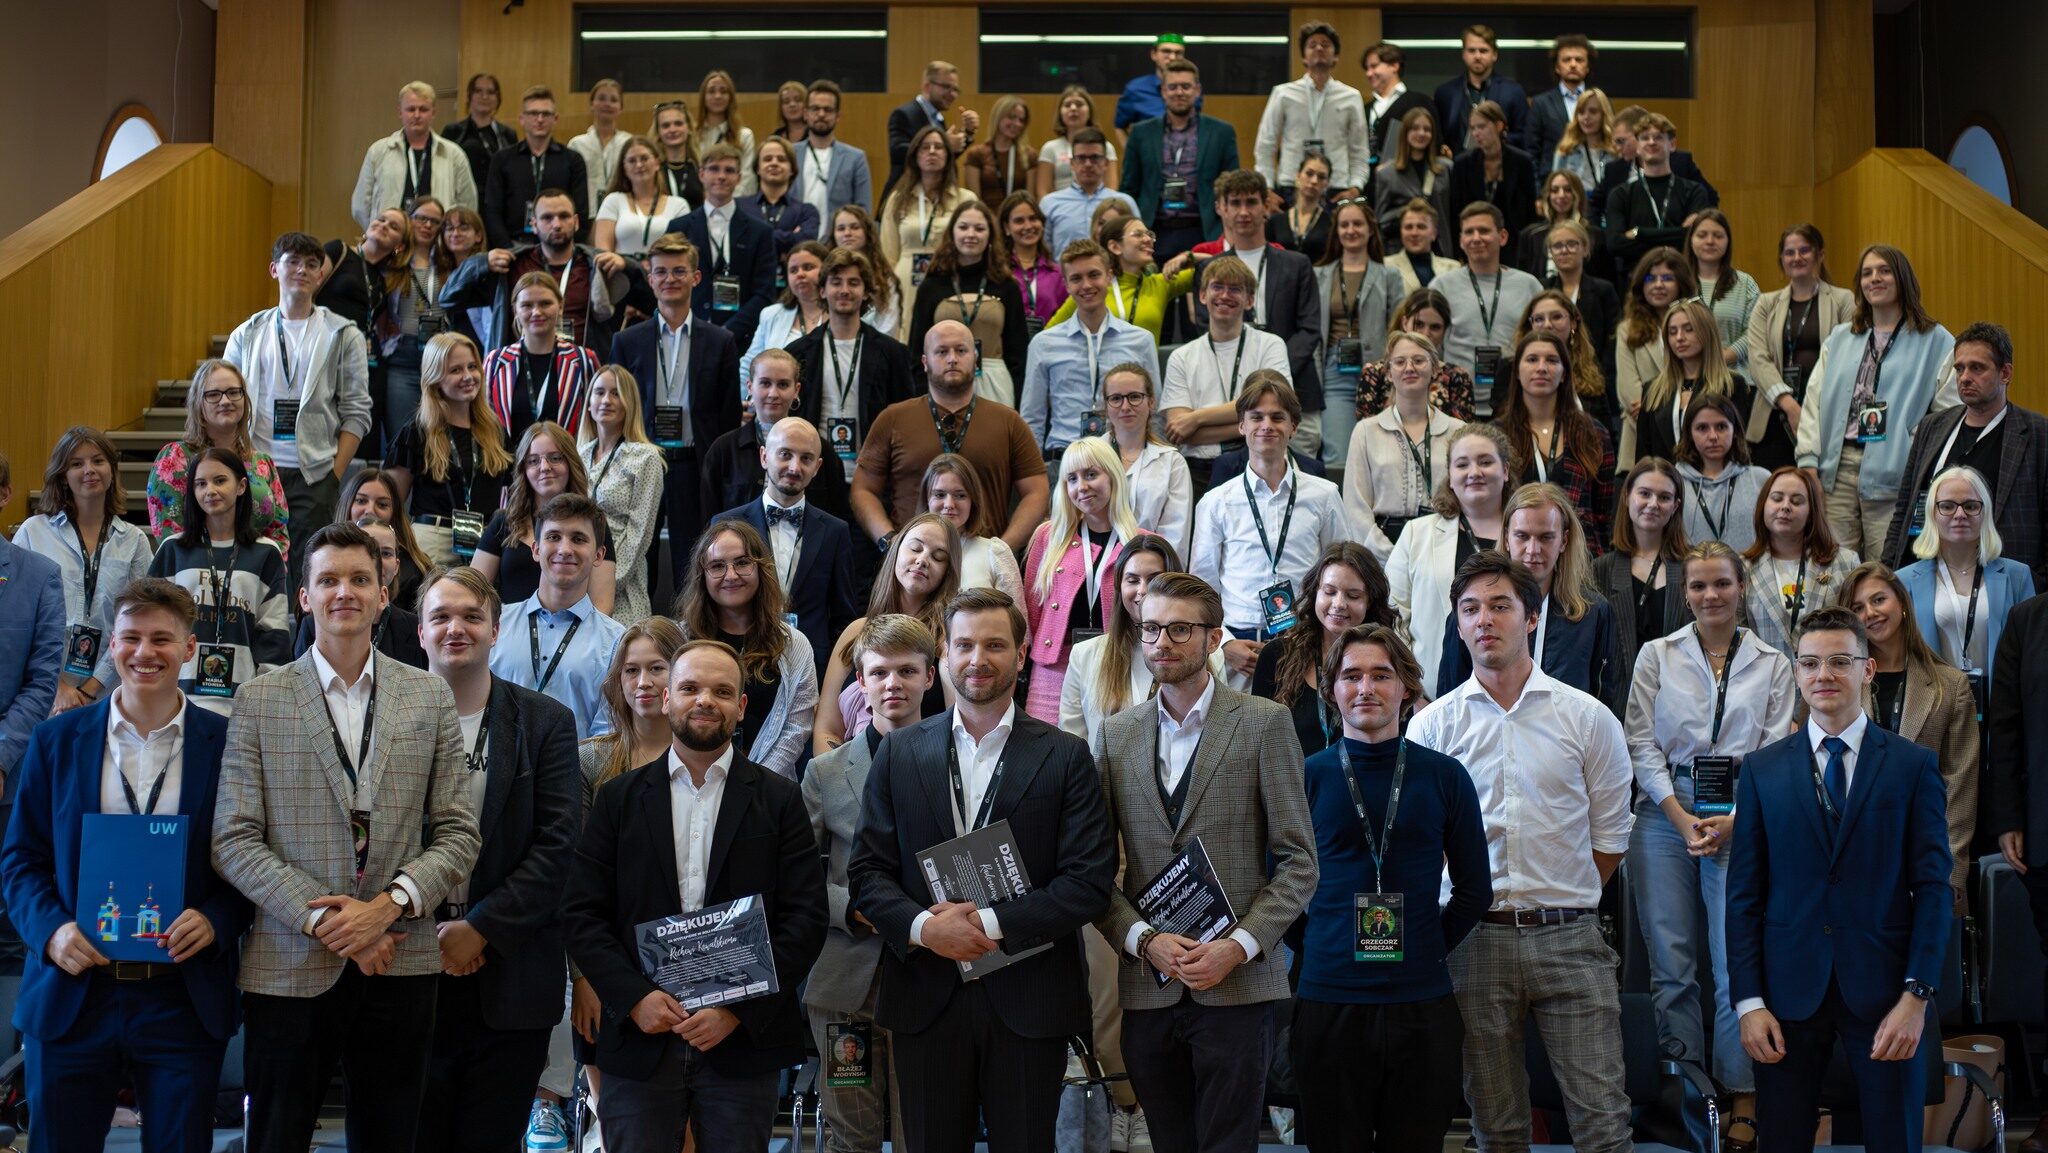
(751, 259)
(904, 121)
(1617, 173)
(532, 811)
(1547, 120)
(885, 377)
(714, 374)
(508, 192)
(1579, 653)
(1600, 308)
(2016, 492)
(821, 594)
(1515, 196)
(730, 475)
(1631, 207)
(624, 875)
(1398, 111)
(1051, 794)
(1612, 577)
(2018, 760)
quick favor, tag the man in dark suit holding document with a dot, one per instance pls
(992, 1047)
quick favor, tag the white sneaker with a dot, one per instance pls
(1139, 1134)
(547, 1131)
(1283, 1123)
(1119, 1131)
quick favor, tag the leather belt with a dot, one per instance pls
(136, 970)
(1534, 918)
(450, 911)
(434, 520)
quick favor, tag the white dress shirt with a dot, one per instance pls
(1162, 494)
(718, 226)
(1172, 758)
(674, 368)
(783, 539)
(349, 706)
(1553, 778)
(1382, 478)
(693, 814)
(978, 762)
(141, 758)
(1951, 619)
(1229, 556)
(817, 189)
(1671, 706)
(478, 780)
(1198, 374)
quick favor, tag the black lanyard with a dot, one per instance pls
(1798, 600)
(1272, 551)
(1385, 842)
(980, 297)
(362, 758)
(474, 762)
(1721, 683)
(534, 395)
(1820, 787)
(91, 560)
(1657, 209)
(850, 374)
(222, 586)
(607, 469)
(468, 474)
(533, 635)
(1970, 615)
(1876, 356)
(284, 356)
(1465, 530)
(1425, 461)
(946, 443)
(1486, 316)
(155, 791)
(1794, 328)
(1546, 462)
(1236, 364)
(1649, 586)
(1714, 529)
(988, 795)
(539, 165)
(1091, 575)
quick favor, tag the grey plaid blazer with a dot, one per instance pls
(1245, 800)
(281, 826)
(833, 787)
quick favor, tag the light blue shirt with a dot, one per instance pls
(1068, 211)
(1058, 374)
(578, 680)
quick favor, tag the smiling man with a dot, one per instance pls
(412, 162)
(1062, 398)
(142, 749)
(556, 642)
(813, 549)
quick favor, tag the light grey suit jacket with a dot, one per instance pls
(1378, 295)
(281, 825)
(847, 182)
(333, 391)
(832, 788)
(1245, 801)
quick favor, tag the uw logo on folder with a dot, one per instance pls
(131, 879)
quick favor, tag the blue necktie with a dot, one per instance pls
(776, 515)
(1836, 775)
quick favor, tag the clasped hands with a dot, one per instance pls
(1198, 965)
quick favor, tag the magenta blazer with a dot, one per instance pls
(1048, 619)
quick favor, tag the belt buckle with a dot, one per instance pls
(133, 970)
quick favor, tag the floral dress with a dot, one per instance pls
(166, 494)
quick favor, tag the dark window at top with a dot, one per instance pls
(1243, 51)
(670, 49)
(1641, 55)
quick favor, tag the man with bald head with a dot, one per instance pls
(813, 549)
(888, 480)
(732, 474)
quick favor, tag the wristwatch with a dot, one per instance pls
(1920, 989)
(882, 542)
(400, 897)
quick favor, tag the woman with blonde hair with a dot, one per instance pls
(920, 573)
(1467, 513)
(450, 461)
(790, 98)
(912, 219)
(1963, 584)
(1107, 674)
(1587, 146)
(1001, 166)
(636, 207)
(625, 470)
(217, 415)
(1661, 278)
(1066, 599)
(731, 593)
(1394, 459)
(545, 465)
(1693, 367)
(1563, 198)
(1426, 313)
(718, 122)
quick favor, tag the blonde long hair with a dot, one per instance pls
(436, 444)
(1715, 379)
(1573, 579)
(1064, 528)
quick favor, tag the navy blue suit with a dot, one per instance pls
(714, 373)
(751, 259)
(821, 593)
(168, 1032)
(1826, 923)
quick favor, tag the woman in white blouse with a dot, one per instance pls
(730, 594)
(1712, 691)
(1108, 674)
(600, 144)
(952, 489)
(625, 470)
(1155, 473)
(718, 121)
(1465, 517)
(638, 207)
(800, 308)
(1395, 457)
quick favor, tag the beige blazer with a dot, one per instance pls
(1940, 714)
(1767, 347)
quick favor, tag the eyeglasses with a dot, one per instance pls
(552, 460)
(1969, 508)
(538, 114)
(659, 273)
(1126, 399)
(1180, 632)
(1660, 278)
(1838, 664)
(1088, 158)
(223, 395)
(738, 566)
(1565, 246)
(1228, 291)
(425, 218)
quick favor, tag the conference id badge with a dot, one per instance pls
(790, 620)
(1713, 781)
(1485, 365)
(216, 668)
(82, 650)
(284, 419)
(668, 425)
(1076, 636)
(468, 530)
(433, 322)
(1918, 521)
(920, 263)
(1313, 148)
(1976, 677)
(359, 836)
(1350, 357)
(1094, 423)
(725, 293)
(1871, 420)
(1033, 325)
(843, 431)
(847, 1045)
(1277, 602)
(565, 328)
(1379, 921)
(527, 216)
(1175, 194)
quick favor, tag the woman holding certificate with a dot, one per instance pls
(1703, 698)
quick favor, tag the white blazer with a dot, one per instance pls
(381, 183)
(1420, 570)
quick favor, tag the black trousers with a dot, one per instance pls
(968, 1066)
(1892, 1093)
(377, 1030)
(682, 511)
(1379, 1078)
(1200, 1073)
(479, 1079)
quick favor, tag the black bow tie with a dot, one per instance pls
(795, 516)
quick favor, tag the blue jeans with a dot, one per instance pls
(401, 388)
(1340, 411)
(1673, 893)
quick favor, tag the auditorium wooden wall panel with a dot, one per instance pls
(259, 98)
(354, 101)
(88, 337)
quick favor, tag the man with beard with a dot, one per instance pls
(699, 827)
(813, 549)
(592, 283)
(888, 485)
(992, 1048)
(732, 474)
(1551, 768)
(501, 946)
(1203, 764)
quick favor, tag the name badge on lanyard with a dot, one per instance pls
(468, 530)
(1380, 920)
(216, 671)
(668, 425)
(844, 433)
(725, 293)
(82, 649)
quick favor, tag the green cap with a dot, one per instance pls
(1170, 38)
